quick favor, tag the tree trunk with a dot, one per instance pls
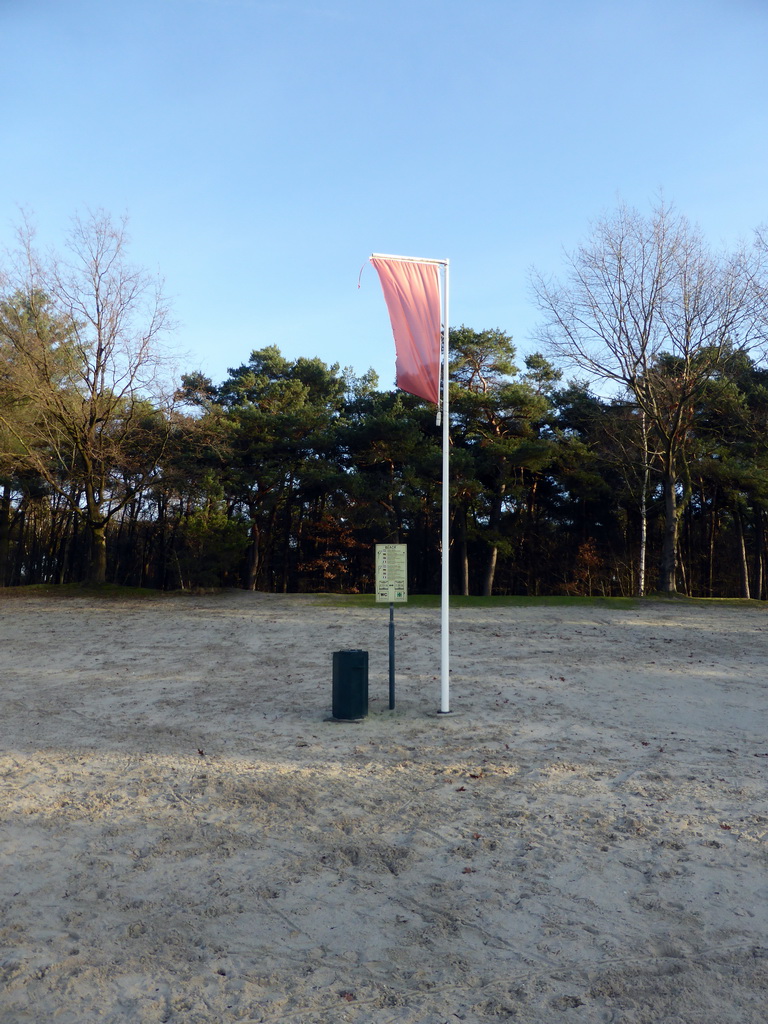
(494, 522)
(642, 554)
(5, 535)
(530, 534)
(254, 554)
(490, 571)
(668, 575)
(645, 487)
(683, 574)
(743, 568)
(712, 535)
(463, 553)
(268, 550)
(758, 564)
(64, 554)
(98, 566)
(287, 527)
(493, 554)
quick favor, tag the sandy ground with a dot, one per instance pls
(185, 837)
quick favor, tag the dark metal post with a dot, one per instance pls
(391, 655)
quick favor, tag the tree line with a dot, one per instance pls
(645, 469)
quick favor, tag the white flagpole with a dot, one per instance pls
(445, 700)
(445, 646)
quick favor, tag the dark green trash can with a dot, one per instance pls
(350, 685)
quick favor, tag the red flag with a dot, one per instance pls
(412, 293)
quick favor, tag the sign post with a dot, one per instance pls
(391, 586)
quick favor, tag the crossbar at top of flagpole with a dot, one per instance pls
(406, 259)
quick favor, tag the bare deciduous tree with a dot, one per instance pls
(85, 396)
(648, 307)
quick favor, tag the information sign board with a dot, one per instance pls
(391, 573)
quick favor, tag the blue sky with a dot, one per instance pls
(262, 149)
